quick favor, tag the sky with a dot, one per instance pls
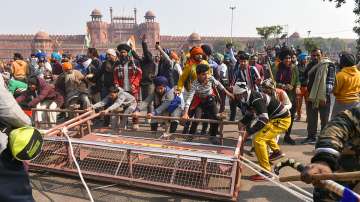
(182, 17)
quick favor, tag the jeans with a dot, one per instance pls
(210, 110)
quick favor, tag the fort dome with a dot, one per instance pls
(41, 35)
(96, 13)
(194, 37)
(150, 15)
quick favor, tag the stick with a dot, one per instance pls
(348, 176)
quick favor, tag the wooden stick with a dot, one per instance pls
(348, 176)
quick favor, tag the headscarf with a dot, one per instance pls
(67, 66)
(161, 81)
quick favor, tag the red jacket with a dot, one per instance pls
(134, 75)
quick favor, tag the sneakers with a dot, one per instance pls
(309, 140)
(259, 178)
(289, 140)
(276, 155)
(298, 118)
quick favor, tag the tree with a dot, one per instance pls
(356, 11)
(267, 31)
(310, 44)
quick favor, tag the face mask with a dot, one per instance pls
(34, 62)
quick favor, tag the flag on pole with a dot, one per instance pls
(131, 42)
(87, 42)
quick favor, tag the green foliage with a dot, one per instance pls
(356, 11)
(219, 46)
(267, 31)
(310, 44)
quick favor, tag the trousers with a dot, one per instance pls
(266, 137)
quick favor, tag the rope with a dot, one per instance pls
(65, 131)
(277, 177)
(291, 191)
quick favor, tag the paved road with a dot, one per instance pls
(50, 187)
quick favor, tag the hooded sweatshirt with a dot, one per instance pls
(19, 69)
(347, 86)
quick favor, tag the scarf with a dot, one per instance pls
(284, 74)
(318, 89)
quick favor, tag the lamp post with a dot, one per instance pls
(232, 20)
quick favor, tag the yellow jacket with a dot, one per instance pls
(347, 87)
(19, 69)
(189, 75)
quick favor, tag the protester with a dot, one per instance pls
(287, 78)
(271, 119)
(242, 72)
(320, 74)
(336, 150)
(347, 85)
(19, 68)
(253, 61)
(41, 95)
(203, 87)
(173, 59)
(165, 103)
(127, 74)
(73, 87)
(221, 75)
(55, 62)
(14, 86)
(165, 67)
(303, 88)
(116, 101)
(148, 69)
(105, 77)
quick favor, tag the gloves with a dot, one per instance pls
(3, 141)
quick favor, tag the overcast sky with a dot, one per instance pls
(182, 17)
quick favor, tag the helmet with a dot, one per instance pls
(25, 143)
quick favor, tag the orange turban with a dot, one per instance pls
(67, 66)
(174, 56)
(196, 51)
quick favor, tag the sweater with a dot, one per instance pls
(347, 86)
(294, 81)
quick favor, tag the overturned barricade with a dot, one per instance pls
(190, 168)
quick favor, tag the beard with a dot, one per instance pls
(123, 59)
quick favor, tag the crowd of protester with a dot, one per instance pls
(268, 89)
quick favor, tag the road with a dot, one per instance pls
(51, 187)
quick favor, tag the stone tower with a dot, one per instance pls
(151, 28)
(42, 42)
(98, 29)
